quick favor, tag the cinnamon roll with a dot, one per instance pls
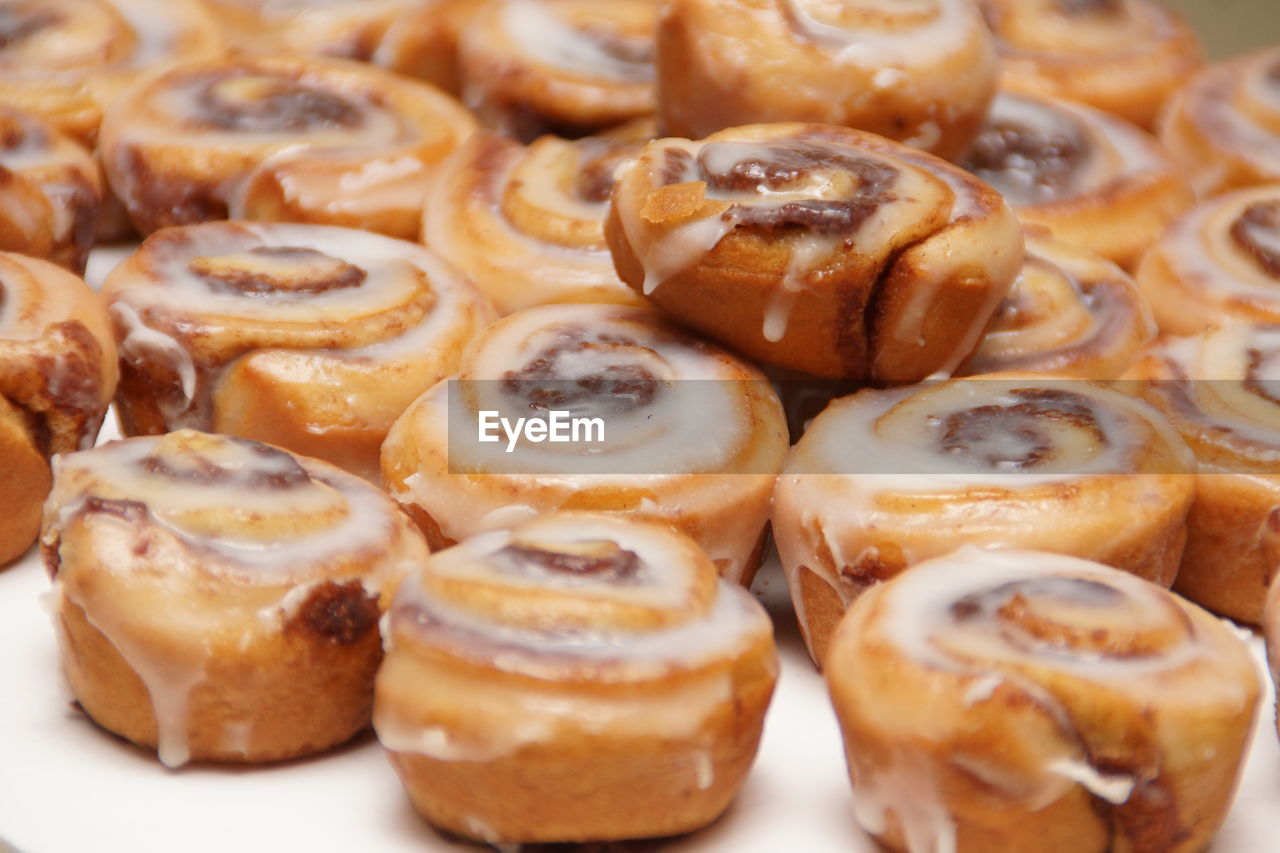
(348, 29)
(65, 60)
(295, 139)
(423, 41)
(1223, 127)
(57, 376)
(1218, 264)
(1121, 56)
(307, 336)
(51, 190)
(568, 67)
(817, 248)
(886, 479)
(1218, 391)
(526, 224)
(538, 679)
(217, 599)
(658, 425)
(1070, 707)
(1095, 181)
(921, 73)
(1069, 313)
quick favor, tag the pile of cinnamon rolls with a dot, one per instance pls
(974, 304)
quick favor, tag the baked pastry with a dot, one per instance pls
(1217, 264)
(51, 192)
(568, 67)
(1094, 180)
(922, 74)
(423, 41)
(1215, 389)
(293, 138)
(884, 480)
(57, 375)
(1018, 700)
(1070, 313)
(580, 677)
(307, 336)
(526, 224)
(1223, 127)
(65, 60)
(687, 434)
(218, 599)
(818, 248)
(1121, 56)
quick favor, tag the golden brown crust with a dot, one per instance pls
(501, 731)
(923, 75)
(818, 248)
(310, 337)
(218, 599)
(1071, 707)
(568, 67)
(1223, 126)
(1121, 56)
(279, 138)
(1094, 180)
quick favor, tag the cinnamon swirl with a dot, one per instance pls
(569, 67)
(921, 73)
(1070, 707)
(1223, 127)
(1094, 180)
(218, 599)
(307, 336)
(526, 224)
(1218, 391)
(50, 192)
(65, 60)
(1121, 56)
(279, 138)
(57, 375)
(687, 435)
(1069, 313)
(818, 248)
(538, 679)
(1217, 264)
(886, 479)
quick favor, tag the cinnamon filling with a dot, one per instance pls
(630, 50)
(22, 23)
(790, 163)
(259, 104)
(14, 134)
(1014, 437)
(598, 559)
(1257, 232)
(599, 160)
(195, 469)
(277, 269)
(1023, 164)
(1075, 8)
(340, 613)
(1256, 380)
(558, 377)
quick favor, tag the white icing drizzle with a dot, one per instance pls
(946, 31)
(1204, 258)
(541, 32)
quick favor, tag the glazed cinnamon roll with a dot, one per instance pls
(887, 479)
(537, 678)
(1121, 56)
(921, 73)
(1223, 127)
(1095, 181)
(57, 376)
(310, 337)
(816, 248)
(217, 599)
(279, 138)
(1218, 264)
(654, 424)
(1218, 391)
(1071, 707)
(1069, 313)
(568, 67)
(65, 60)
(51, 190)
(526, 224)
